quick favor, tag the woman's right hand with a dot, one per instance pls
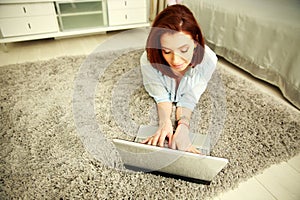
(165, 130)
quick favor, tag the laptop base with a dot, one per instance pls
(168, 175)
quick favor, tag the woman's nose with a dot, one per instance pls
(176, 58)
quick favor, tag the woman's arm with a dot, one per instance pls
(181, 138)
(183, 114)
(165, 128)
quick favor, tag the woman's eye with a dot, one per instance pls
(184, 50)
(166, 52)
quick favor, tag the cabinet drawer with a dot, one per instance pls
(28, 25)
(128, 16)
(123, 4)
(23, 10)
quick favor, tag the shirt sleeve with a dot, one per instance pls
(209, 64)
(152, 81)
(198, 84)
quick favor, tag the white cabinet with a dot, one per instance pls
(121, 12)
(27, 19)
(22, 20)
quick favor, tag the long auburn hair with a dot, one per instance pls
(173, 19)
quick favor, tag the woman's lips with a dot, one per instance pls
(177, 66)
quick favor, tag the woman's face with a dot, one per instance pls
(178, 50)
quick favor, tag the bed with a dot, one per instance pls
(260, 36)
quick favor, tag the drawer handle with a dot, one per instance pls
(125, 3)
(24, 9)
(29, 26)
(125, 16)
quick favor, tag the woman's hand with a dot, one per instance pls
(165, 130)
(181, 140)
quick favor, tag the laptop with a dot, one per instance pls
(199, 168)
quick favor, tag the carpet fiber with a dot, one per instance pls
(42, 156)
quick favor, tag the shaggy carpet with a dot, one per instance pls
(45, 154)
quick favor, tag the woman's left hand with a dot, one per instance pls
(181, 140)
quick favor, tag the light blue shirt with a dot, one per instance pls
(192, 85)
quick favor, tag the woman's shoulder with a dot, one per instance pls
(208, 64)
(210, 55)
(143, 59)
(209, 58)
(146, 65)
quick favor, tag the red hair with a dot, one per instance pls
(173, 19)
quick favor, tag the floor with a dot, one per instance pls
(280, 181)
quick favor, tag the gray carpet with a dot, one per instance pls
(43, 156)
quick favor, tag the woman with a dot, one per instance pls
(176, 67)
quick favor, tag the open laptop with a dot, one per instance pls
(169, 162)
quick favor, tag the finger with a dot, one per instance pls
(193, 149)
(145, 141)
(155, 139)
(196, 151)
(162, 139)
(150, 140)
(173, 145)
(170, 136)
